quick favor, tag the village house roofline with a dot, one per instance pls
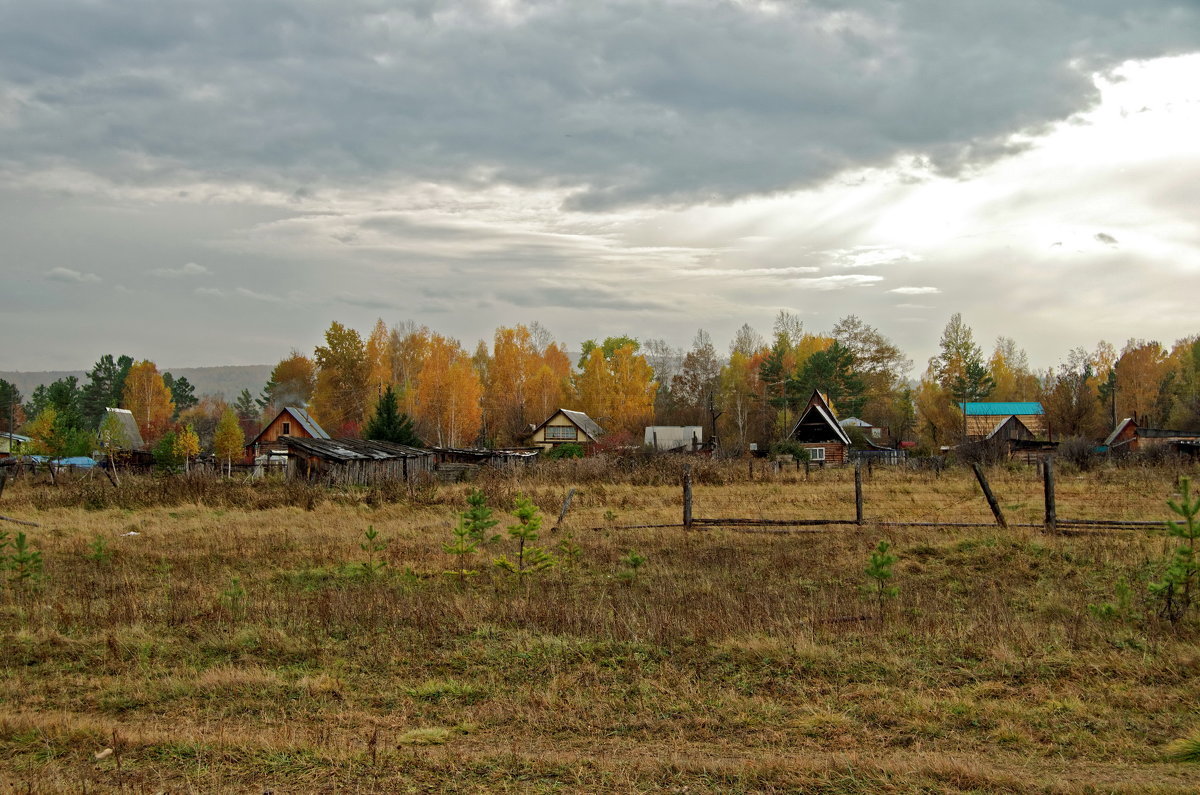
(1002, 408)
(580, 420)
(129, 427)
(1121, 426)
(302, 418)
(1010, 418)
(817, 404)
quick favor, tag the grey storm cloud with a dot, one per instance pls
(624, 102)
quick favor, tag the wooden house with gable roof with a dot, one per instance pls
(819, 433)
(566, 427)
(292, 422)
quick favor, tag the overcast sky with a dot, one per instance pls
(213, 182)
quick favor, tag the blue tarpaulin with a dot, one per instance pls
(80, 461)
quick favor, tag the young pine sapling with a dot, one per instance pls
(478, 518)
(530, 558)
(464, 544)
(373, 546)
(1178, 585)
(632, 561)
(879, 571)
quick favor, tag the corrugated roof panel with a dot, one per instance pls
(585, 423)
(307, 422)
(1002, 408)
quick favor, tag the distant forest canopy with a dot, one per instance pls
(750, 391)
(224, 382)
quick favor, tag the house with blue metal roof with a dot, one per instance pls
(983, 418)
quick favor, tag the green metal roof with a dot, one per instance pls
(1002, 409)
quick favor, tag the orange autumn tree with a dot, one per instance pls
(447, 401)
(147, 397)
(291, 384)
(1139, 376)
(616, 386)
(408, 345)
(342, 394)
(523, 382)
(379, 365)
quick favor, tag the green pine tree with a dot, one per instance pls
(389, 424)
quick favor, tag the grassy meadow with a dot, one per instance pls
(223, 636)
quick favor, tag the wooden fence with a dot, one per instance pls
(1051, 523)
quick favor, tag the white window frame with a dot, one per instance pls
(816, 454)
(553, 432)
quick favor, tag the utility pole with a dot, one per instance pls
(713, 414)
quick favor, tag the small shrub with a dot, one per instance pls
(797, 451)
(1079, 452)
(561, 451)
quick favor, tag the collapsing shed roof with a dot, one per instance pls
(352, 449)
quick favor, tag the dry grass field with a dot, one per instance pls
(227, 637)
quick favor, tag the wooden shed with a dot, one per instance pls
(819, 433)
(1129, 437)
(1018, 442)
(354, 461)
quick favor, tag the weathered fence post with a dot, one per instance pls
(3, 481)
(807, 463)
(858, 495)
(566, 505)
(991, 498)
(1048, 485)
(750, 467)
(687, 496)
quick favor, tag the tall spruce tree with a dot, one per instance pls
(389, 424)
(106, 382)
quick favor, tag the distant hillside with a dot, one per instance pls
(225, 381)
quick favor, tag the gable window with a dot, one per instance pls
(561, 433)
(287, 429)
(816, 454)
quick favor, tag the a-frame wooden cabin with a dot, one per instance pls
(818, 431)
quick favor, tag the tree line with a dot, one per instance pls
(439, 393)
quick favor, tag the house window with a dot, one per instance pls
(561, 433)
(816, 453)
(876, 433)
(287, 429)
